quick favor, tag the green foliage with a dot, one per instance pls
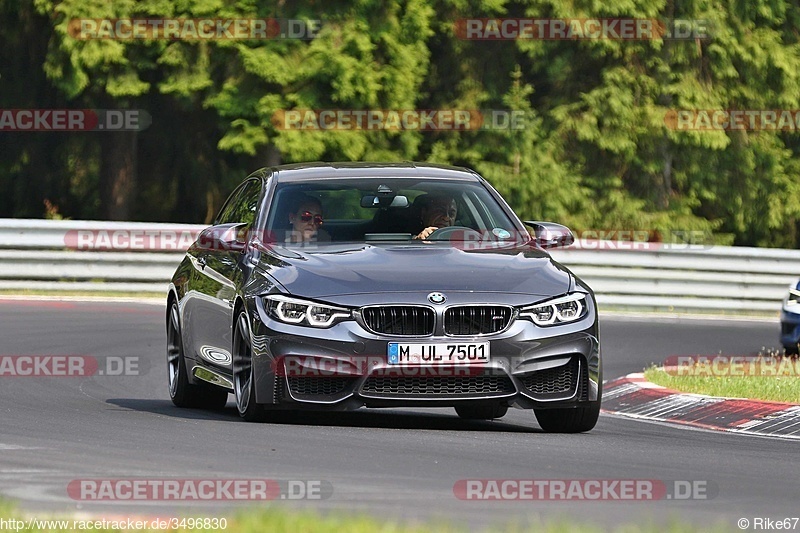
(596, 150)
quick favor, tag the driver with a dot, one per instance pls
(436, 211)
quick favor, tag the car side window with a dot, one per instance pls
(242, 207)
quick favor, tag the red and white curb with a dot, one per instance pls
(635, 397)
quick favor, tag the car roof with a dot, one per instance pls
(319, 170)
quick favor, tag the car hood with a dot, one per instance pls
(335, 270)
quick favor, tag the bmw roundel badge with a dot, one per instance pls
(436, 298)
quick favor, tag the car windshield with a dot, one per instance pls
(381, 209)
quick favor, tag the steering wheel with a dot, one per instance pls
(447, 233)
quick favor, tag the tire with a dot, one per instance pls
(243, 388)
(482, 411)
(791, 350)
(568, 420)
(181, 392)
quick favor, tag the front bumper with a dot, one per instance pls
(346, 367)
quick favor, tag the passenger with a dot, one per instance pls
(436, 211)
(306, 219)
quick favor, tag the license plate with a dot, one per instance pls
(401, 353)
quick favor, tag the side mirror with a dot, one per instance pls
(224, 237)
(550, 234)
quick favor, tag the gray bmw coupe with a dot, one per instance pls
(338, 286)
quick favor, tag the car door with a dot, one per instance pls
(217, 271)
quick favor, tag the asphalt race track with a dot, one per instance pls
(387, 463)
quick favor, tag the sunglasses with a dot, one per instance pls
(307, 217)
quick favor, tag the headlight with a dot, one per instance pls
(295, 311)
(560, 310)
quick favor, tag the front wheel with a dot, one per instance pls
(243, 382)
(568, 420)
(181, 392)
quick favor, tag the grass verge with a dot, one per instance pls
(277, 520)
(775, 379)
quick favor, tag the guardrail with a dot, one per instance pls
(42, 255)
(721, 279)
(45, 255)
